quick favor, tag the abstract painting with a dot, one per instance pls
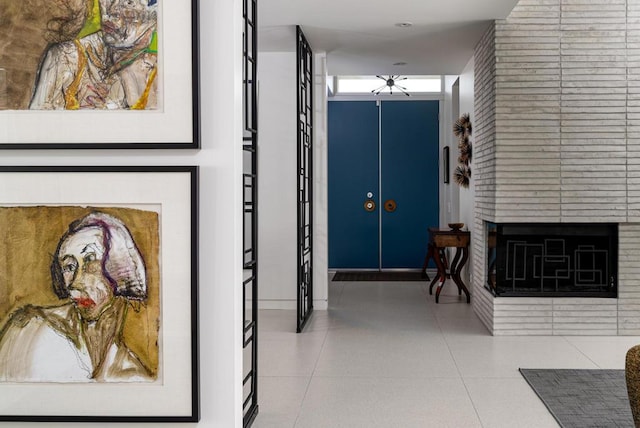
(99, 293)
(79, 294)
(78, 54)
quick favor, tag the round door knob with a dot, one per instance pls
(369, 205)
(390, 206)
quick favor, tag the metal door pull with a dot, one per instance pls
(369, 205)
(390, 206)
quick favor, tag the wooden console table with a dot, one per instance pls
(439, 240)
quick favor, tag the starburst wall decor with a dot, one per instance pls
(462, 129)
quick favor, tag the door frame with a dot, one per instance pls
(442, 141)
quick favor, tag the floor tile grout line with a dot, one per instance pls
(295, 422)
(580, 351)
(475, 409)
(315, 365)
(461, 377)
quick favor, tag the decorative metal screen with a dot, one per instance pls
(250, 213)
(305, 182)
(557, 260)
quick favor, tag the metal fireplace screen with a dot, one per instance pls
(559, 260)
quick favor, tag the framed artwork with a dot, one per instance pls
(445, 164)
(98, 294)
(99, 74)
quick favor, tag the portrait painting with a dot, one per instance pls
(79, 55)
(80, 294)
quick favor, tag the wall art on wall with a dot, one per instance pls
(98, 294)
(445, 164)
(462, 129)
(98, 74)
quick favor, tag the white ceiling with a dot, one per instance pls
(361, 38)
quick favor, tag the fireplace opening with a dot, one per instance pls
(558, 260)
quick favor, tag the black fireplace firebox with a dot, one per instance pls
(554, 260)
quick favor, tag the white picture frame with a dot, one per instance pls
(175, 123)
(172, 191)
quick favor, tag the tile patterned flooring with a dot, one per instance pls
(385, 355)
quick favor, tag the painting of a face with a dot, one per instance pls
(80, 259)
(126, 22)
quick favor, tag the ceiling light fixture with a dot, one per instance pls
(390, 82)
(406, 24)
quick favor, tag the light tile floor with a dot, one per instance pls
(385, 355)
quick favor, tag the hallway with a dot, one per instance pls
(385, 355)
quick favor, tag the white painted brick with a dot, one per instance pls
(585, 332)
(584, 321)
(540, 332)
(589, 52)
(535, 326)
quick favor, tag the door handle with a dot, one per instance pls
(369, 205)
(390, 206)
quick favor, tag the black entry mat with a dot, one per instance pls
(378, 276)
(583, 398)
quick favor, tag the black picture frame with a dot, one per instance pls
(175, 190)
(445, 165)
(168, 127)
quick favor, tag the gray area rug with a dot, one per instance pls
(583, 398)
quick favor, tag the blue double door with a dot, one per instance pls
(382, 183)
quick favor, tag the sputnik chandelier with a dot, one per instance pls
(390, 83)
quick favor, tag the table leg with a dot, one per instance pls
(426, 263)
(433, 282)
(442, 270)
(454, 268)
(455, 273)
(436, 254)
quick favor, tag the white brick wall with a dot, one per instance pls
(629, 280)
(633, 109)
(528, 141)
(593, 104)
(523, 316)
(562, 144)
(483, 165)
(555, 316)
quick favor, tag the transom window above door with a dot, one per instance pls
(367, 84)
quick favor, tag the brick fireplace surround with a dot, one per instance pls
(557, 140)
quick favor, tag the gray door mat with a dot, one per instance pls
(583, 398)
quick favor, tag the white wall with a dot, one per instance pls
(449, 193)
(277, 186)
(320, 171)
(277, 178)
(466, 195)
(220, 244)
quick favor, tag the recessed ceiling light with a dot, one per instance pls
(400, 63)
(404, 24)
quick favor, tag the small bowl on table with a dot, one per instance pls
(456, 226)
